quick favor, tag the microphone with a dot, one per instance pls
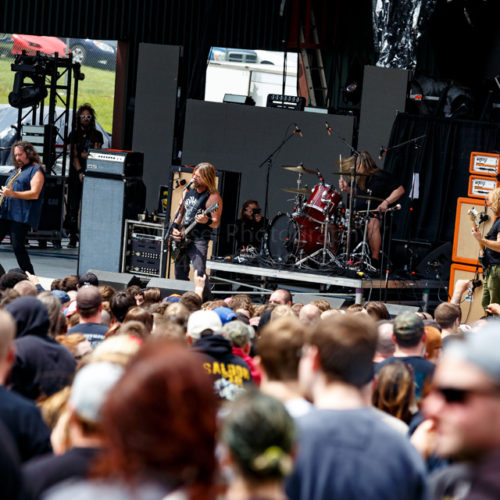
(189, 185)
(179, 183)
(382, 152)
(328, 128)
(298, 131)
(394, 208)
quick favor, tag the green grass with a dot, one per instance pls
(98, 89)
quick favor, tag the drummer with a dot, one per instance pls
(379, 184)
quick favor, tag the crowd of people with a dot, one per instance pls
(128, 394)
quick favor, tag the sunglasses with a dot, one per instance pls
(86, 117)
(460, 396)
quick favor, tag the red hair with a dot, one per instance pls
(160, 421)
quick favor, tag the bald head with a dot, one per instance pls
(25, 287)
(310, 314)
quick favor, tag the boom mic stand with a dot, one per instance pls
(269, 162)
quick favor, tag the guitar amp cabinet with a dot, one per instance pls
(145, 249)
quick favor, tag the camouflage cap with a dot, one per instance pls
(237, 332)
(408, 325)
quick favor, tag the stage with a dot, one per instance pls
(230, 278)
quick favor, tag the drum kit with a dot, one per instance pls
(320, 230)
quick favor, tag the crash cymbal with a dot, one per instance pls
(303, 190)
(373, 198)
(300, 169)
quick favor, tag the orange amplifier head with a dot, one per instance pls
(480, 186)
(484, 163)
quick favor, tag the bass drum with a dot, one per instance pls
(290, 238)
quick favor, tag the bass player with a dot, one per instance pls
(200, 195)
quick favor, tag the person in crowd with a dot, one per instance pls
(89, 307)
(82, 138)
(19, 415)
(345, 450)
(120, 304)
(279, 346)
(448, 316)
(433, 344)
(25, 287)
(42, 366)
(230, 373)
(88, 392)
(201, 195)
(371, 181)
(258, 436)
(88, 278)
(250, 227)
(158, 426)
(394, 391)
(309, 314)
(239, 335)
(57, 322)
(21, 200)
(385, 344)
(377, 310)
(409, 337)
(281, 297)
(141, 315)
(464, 409)
(77, 343)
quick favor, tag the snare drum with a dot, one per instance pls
(322, 203)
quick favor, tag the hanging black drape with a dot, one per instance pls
(442, 161)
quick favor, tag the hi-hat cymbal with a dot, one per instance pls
(303, 190)
(373, 198)
(300, 169)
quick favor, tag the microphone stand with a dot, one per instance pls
(269, 162)
(352, 174)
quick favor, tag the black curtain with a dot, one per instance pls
(442, 161)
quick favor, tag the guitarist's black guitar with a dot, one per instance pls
(176, 247)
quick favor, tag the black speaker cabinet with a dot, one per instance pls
(106, 203)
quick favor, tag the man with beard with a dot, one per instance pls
(200, 196)
(21, 200)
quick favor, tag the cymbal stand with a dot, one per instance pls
(362, 249)
(327, 256)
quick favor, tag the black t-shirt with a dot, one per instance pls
(381, 184)
(85, 139)
(195, 203)
(249, 232)
(492, 257)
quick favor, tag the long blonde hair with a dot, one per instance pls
(495, 201)
(207, 175)
(368, 166)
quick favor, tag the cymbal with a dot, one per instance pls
(300, 169)
(303, 190)
(373, 198)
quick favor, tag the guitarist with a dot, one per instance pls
(491, 256)
(200, 195)
(21, 200)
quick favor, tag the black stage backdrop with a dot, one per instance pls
(442, 161)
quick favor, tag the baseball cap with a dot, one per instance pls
(61, 295)
(237, 333)
(88, 279)
(225, 314)
(481, 348)
(200, 321)
(88, 297)
(408, 325)
(90, 388)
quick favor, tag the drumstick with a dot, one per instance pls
(340, 165)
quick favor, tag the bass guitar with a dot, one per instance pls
(177, 246)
